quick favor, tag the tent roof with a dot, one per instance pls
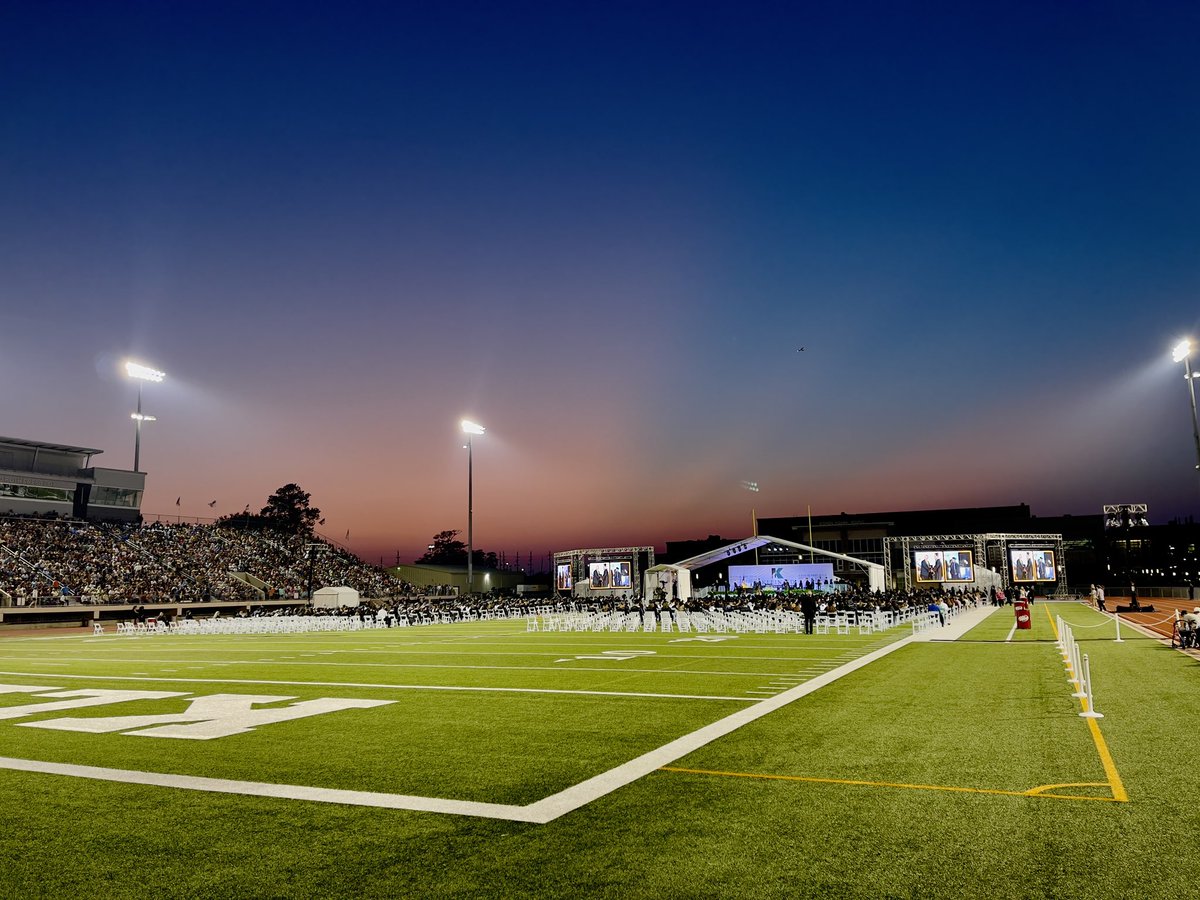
(739, 547)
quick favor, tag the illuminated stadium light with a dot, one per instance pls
(145, 373)
(141, 374)
(1182, 353)
(470, 427)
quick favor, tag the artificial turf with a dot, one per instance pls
(978, 714)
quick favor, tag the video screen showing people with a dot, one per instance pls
(562, 577)
(930, 565)
(793, 575)
(960, 566)
(937, 566)
(611, 575)
(1032, 564)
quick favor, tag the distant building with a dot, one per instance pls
(38, 478)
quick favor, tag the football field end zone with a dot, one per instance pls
(539, 812)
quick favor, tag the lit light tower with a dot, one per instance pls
(1183, 353)
(470, 429)
(142, 374)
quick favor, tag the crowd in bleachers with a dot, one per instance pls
(48, 562)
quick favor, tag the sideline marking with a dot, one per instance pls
(282, 791)
(1032, 792)
(1110, 768)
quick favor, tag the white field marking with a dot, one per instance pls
(1011, 632)
(618, 655)
(540, 812)
(558, 669)
(356, 663)
(385, 687)
(283, 791)
(550, 808)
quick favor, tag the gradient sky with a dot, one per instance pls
(603, 230)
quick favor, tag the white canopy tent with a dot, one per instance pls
(680, 573)
(335, 597)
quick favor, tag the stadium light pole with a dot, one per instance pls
(470, 429)
(141, 374)
(1183, 353)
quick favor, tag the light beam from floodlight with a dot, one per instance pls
(1183, 353)
(141, 374)
(470, 429)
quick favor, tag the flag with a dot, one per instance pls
(347, 534)
(177, 499)
(322, 522)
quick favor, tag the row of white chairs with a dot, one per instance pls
(717, 621)
(295, 624)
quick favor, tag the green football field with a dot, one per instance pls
(486, 760)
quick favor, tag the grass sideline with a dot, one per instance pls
(873, 786)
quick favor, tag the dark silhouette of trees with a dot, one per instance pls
(447, 550)
(288, 511)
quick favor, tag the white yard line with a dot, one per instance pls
(616, 668)
(384, 687)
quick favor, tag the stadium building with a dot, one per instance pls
(38, 478)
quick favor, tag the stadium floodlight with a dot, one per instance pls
(145, 373)
(1183, 353)
(141, 374)
(470, 429)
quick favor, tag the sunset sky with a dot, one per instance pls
(604, 231)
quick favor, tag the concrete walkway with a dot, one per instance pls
(957, 626)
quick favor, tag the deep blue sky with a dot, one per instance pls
(604, 230)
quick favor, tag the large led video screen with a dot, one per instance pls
(796, 575)
(930, 565)
(1032, 564)
(610, 575)
(562, 577)
(960, 566)
(950, 566)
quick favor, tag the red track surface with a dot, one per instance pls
(1160, 622)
